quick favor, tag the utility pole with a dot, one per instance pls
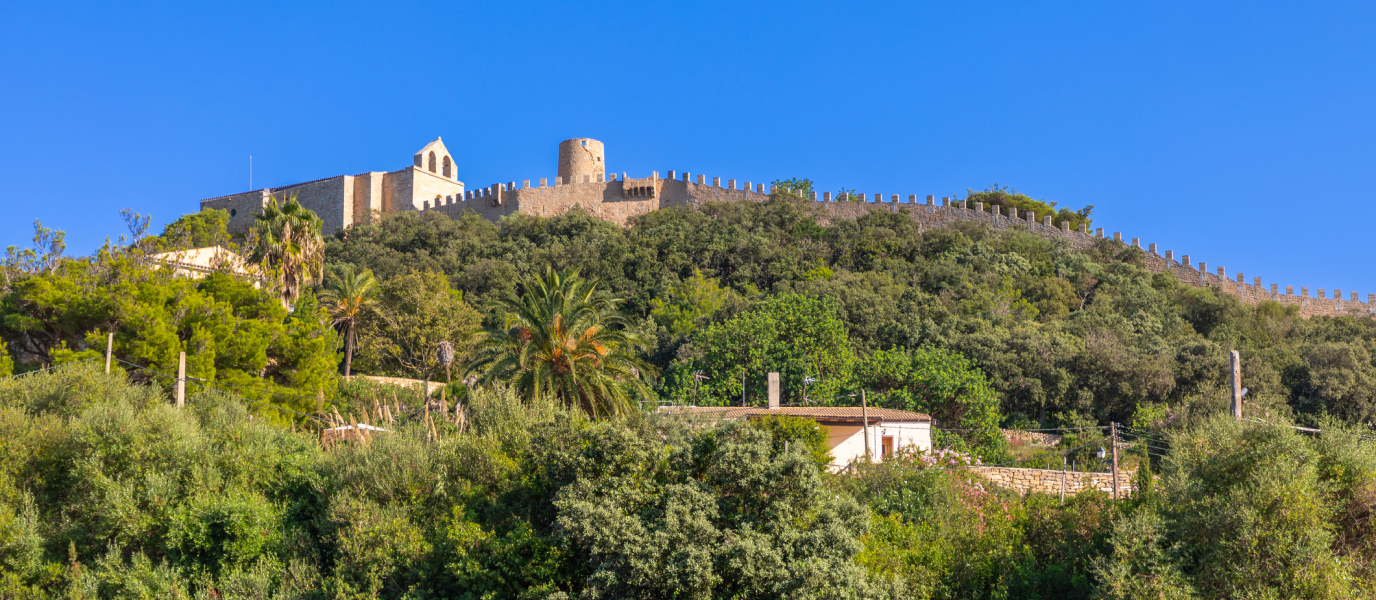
(446, 356)
(181, 380)
(865, 420)
(1062, 481)
(1113, 441)
(1235, 383)
(109, 350)
(697, 381)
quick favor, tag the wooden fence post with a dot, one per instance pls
(109, 350)
(181, 380)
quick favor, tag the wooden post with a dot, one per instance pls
(1062, 480)
(1235, 382)
(865, 421)
(109, 350)
(181, 380)
(1113, 441)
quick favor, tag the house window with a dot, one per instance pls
(887, 448)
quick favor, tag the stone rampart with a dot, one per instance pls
(616, 200)
(1046, 481)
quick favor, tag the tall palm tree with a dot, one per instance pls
(289, 245)
(564, 342)
(347, 295)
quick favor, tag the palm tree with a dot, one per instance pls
(347, 295)
(290, 246)
(564, 342)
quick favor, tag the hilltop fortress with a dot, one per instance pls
(431, 184)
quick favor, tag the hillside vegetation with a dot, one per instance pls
(543, 470)
(107, 491)
(1064, 337)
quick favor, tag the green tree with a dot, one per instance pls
(725, 517)
(563, 341)
(797, 336)
(690, 304)
(801, 431)
(946, 386)
(287, 242)
(796, 187)
(413, 313)
(210, 227)
(6, 362)
(1005, 198)
(348, 294)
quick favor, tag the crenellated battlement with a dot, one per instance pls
(583, 182)
(618, 198)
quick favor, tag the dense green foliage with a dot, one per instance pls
(107, 491)
(797, 336)
(1064, 337)
(1005, 199)
(232, 333)
(563, 342)
(413, 313)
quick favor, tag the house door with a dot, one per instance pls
(888, 447)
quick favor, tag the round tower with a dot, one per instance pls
(581, 157)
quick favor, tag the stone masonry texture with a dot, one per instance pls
(1046, 481)
(344, 200)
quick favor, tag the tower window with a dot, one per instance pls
(432, 162)
(446, 166)
(585, 143)
(233, 212)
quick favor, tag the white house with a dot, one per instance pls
(196, 263)
(889, 429)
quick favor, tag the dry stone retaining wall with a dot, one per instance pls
(1026, 481)
(1036, 437)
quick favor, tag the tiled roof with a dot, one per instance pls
(821, 413)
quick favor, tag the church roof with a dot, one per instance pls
(436, 146)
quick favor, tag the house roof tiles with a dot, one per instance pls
(821, 413)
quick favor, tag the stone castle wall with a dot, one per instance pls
(1046, 481)
(344, 200)
(610, 200)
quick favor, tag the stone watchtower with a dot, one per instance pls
(582, 159)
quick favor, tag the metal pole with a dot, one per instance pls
(1235, 382)
(865, 420)
(181, 380)
(109, 350)
(1113, 441)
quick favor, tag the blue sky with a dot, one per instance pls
(1240, 134)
